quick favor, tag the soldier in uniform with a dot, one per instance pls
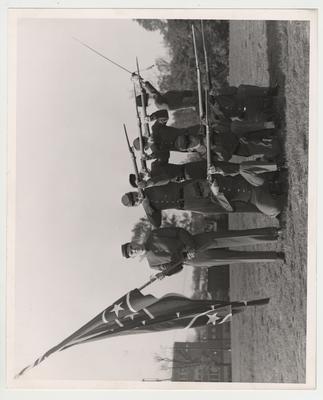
(226, 194)
(167, 249)
(231, 100)
(224, 142)
(245, 101)
(162, 173)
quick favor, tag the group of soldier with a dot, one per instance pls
(241, 130)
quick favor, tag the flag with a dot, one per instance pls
(136, 313)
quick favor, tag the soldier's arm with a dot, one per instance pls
(171, 268)
(151, 90)
(179, 233)
(225, 168)
(159, 180)
(193, 130)
(227, 91)
(154, 216)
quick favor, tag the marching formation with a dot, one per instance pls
(235, 169)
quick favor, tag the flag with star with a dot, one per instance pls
(137, 313)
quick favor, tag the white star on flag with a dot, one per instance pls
(143, 322)
(117, 308)
(213, 318)
(177, 314)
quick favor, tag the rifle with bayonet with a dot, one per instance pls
(142, 150)
(143, 102)
(204, 113)
(134, 162)
(198, 73)
(206, 91)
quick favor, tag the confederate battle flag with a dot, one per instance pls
(138, 313)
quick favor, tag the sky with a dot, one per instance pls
(72, 169)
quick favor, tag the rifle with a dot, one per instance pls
(142, 152)
(155, 277)
(206, 60)
(198, 72)
(207, 88)
(143, 105)
(133, 158)
(203, 114)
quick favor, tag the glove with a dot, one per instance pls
(215, 189)
(215, 170)
(141, 184)
(190, 254)
(160, 276)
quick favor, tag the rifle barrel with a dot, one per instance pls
(198, 72)
(208, 78)
(142, 152)
(143, 103)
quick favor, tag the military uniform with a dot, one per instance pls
(190, 196)
(167, 138)
(235, 195)
(237, 189)
(167, 248)
(224, 142)
(173, 99)
(245, 101)
(162, 172)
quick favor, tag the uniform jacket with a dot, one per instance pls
(173, 99)
(166, 248)
(166, 138)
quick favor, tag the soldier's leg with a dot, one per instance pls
(243, 128)
(256, 91)
(251, 170)
(258, 167)
(232, 238)
(262, 142)
(265, 202)
(215, 257)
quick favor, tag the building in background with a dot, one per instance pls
(202, 361)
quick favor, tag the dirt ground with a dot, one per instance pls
(268, 343)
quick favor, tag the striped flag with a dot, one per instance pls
(137, 313)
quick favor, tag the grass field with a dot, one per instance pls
(268, 343)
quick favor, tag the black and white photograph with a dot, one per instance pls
(160, 227)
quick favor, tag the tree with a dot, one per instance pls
(170, 363)
(177, 35)
(153, 24)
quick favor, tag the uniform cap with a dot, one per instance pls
(136, 143)
(133, 180)
(125, 250)
(128, 199)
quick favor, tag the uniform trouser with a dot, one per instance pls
(249, 170)
(265, 202)
(263, 143)
(245, 91)
(213, 240)
(242, 128)
(215, 257)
